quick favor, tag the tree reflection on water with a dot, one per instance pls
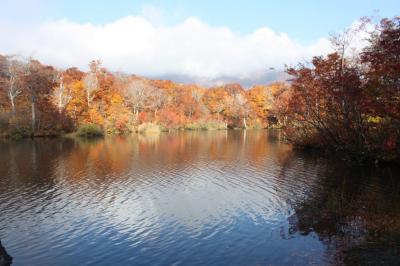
(356, 215)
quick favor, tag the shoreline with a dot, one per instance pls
(347, 157)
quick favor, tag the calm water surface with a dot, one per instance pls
(193, 198)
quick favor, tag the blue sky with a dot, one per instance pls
(303, 20)
(196, 38)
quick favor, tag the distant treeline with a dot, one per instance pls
(40, 100)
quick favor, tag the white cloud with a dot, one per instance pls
(152, 13)
(137, 44)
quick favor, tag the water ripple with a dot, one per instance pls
(228, 199)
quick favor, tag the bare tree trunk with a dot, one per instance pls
(88, 98)
(12, 104)
(13, 91)
(60, 105)
(244, 122)
(136, 114)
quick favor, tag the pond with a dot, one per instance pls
(192, 198)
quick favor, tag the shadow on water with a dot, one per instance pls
(225, 197)
(5, 259)
(355, 211)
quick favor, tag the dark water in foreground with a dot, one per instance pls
(193, 198)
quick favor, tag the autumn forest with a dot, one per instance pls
(199, 132)
(344, 102)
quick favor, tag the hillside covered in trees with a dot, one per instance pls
(40, 100)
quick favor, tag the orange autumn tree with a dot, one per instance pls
(216, 101)
(262, 99)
